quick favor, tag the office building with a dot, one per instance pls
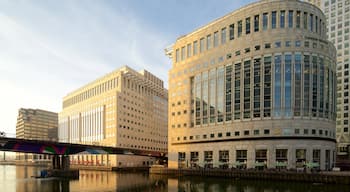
(125, 109)
(36, 124)
(338, 21)
(254, 89)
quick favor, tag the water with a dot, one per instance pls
(18, 179)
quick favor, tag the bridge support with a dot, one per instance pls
(60, 162)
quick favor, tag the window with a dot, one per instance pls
(183, 56)
(306, 131)
(219, 134)
(298, 19)
(189, 49)
(246, 132)
(297, 43)
(232, 31)
(201, 45)
(236, 133)
(311, 28)
(256, 23)
(288, 43)
(223, 35)
(273, 20)
(267, 45)
(177, 55)
(212, 135)
(256, 132)
(240, 28)
(290, 19)
(195, 47)
(305, 20)
(265, 21)
(247, 25)
(208, 42)
(282, 18)
(277, 44)
(266, 131)
(216, 39)
(257, 47)
(228, 134)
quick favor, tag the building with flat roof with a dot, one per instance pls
(36, 124)
(124, 108)
(254, 89)
(338, 21)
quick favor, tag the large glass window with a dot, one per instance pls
(228, 84)
(212, 94)
(306, 85)
(282, 18)
(182, 159)
(277, 89)
(216, 39)
(265, 21)
(237, 91)
(194, 158)
(223, 35)
(314, 86)
(257, 91)
(205, 99)
(267, 86)
(321, 93)
(300, 156)
(232, 31)
(256, 23)
(247, 25)
(220, 93)
(297, 79)
(240, 25)
(288, 85)
(281, 156)
(241, 159)
(290, 19)
(198, 98)
(298, 19)
(246, 85)
(273, 19)
(224, 159)
(208, 159)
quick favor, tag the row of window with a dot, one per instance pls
(258, 132)
(276, 44)
(282, 158)
(297, 19)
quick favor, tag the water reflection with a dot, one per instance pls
(18, 179)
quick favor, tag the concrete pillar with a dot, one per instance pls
(323, 159)
(291, 157)
(65, 164)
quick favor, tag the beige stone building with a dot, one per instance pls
(36, 124)
(253, 89)
(125, 109)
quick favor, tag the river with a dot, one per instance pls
(19, 179)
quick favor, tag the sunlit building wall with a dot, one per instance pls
(124, 108)
(338, 21)
(254, 88)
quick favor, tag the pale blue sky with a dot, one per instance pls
(49, 48)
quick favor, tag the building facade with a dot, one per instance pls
(254, 89)
(36, 124)
(338, 21)
(124, 108)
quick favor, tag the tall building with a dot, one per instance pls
(254, 88)
(124, 108)
(36, 124)
(338, 21)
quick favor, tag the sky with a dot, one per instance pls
(50, 48)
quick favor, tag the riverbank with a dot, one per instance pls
(321, 177)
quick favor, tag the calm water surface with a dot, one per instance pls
(18, 179)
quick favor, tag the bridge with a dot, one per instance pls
(61, 151)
